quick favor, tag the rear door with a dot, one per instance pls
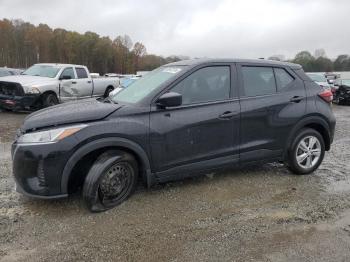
(83, 83)
(273, 99)
(204, 128)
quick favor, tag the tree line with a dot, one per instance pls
(23, 44)
(318, 62)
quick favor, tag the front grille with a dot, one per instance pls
(11, 89)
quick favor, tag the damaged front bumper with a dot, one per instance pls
(24, 102)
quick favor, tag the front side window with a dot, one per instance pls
(206, 84)
(258, 80)
(68, 72)
(283, 78)
(81, 72)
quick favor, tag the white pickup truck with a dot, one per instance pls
(44, 85)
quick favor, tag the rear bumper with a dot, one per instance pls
(18, 102)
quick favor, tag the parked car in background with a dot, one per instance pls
(111, 75)
(182, 119)
(331, 78)
(4, 71)
(342, 94)
(320, 79)
(44, 85)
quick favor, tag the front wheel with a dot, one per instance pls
(49, 100)
(307, 152)
(110, 181)
(108, 90)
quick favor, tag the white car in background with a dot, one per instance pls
(320, 79)
(44, 85)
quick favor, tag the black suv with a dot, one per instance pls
(182, 119)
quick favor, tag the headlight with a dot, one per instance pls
(33, 90)
(49, 136)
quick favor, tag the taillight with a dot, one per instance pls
(326, 95)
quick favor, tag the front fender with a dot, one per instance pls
(102, 143)
(49, 88)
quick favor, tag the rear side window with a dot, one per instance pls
(258, 80)
(81, 72)
(283, 78)
(204, 85)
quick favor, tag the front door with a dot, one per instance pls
(204, 128)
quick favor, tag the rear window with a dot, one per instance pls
(81, 72)
(258, 81)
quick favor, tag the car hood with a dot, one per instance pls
(26, 80)
(69, 113)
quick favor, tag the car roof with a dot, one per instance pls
(58, 65)
(194, 62)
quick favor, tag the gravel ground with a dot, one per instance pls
(255, 214)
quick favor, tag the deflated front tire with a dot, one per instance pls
(110, 181)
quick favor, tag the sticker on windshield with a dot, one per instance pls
(171, 70)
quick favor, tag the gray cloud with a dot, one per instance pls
(201, 28)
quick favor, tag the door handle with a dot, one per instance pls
(227, 115)
(89, 82)
(296, 99)
(73, 82)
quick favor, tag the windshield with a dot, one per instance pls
(317, 78)
(4, 72)
(346, 82)
(145, 85)
(42, 70)
(125, 82)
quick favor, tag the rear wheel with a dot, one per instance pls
(307, 152)
(110, 181)
(49, 100)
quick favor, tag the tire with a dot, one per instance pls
(49, 100)
(108, 90)
(336, 100)
(110, 181)
(312, 157)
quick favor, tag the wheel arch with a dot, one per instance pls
(48, 92)
(99, 146)
(315, 122)
(107, 88)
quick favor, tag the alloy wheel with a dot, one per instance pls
(308, 152)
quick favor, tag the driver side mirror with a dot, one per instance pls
(65, 77)
(170, 99)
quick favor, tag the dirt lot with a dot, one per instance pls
(256, 214)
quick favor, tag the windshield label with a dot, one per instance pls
(171, 70)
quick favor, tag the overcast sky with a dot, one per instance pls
(201, 28)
